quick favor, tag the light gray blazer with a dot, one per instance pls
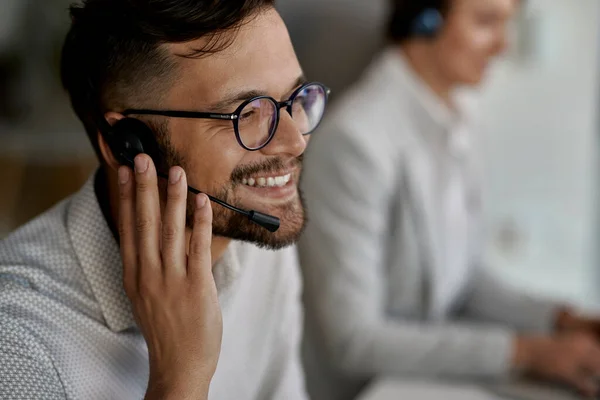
(371, 245)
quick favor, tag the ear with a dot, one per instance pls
(107, 154)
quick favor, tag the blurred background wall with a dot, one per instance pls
(541, 147)
(44, 153)
(540, 112)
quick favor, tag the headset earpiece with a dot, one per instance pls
(130, 137)
(428, 23)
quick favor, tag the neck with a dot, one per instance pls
(218, 246)
(420, 57)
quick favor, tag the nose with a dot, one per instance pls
(287, 140)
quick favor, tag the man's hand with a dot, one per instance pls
(172, 291)
(573, 359)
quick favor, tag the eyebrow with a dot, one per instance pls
(226, 104)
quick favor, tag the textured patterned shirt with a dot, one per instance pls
(67, 330)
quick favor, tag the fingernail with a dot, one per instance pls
(201, 200)
(141, 165)
(123, 175)
(174, 176)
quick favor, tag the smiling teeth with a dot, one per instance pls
(272, 181)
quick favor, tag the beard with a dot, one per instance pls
(232, 225)
(227, 223)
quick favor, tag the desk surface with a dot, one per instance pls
(427, 390)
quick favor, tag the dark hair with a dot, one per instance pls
(112, 56)
(404, 14)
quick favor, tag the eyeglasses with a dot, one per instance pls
(256, 120)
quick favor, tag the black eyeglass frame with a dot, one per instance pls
(235, 116)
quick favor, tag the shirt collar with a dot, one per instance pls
(99, 256)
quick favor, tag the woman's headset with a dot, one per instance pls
(428, 23)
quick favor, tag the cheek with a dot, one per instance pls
(466, 54)
(484, 42)
(209, 156)
(472, 42)
(212, 167)
(307, 138)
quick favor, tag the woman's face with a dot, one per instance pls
(474, 32)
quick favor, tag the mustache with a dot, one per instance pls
(266, 167)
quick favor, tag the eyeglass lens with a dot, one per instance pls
(258, 119)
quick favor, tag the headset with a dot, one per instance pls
(129, 137)
(428, 23)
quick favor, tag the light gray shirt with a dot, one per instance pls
(67, 330)
(394, 277)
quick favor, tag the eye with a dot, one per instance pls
(250, 111)
(247, 114)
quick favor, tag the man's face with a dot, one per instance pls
(260, 60)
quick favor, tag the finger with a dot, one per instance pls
(592, 361)
(595, 328)
(127, 235)
(173, 224)
(147, 214)
(584, 384)
(588, 387)
(199, 259)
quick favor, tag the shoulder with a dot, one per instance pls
(380, 102)
(18, 342)
(26, 366)
(370, 125)
(42, 248)
(32, 241)
(41, 279)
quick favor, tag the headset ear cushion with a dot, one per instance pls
(428, 23)
(131, 137)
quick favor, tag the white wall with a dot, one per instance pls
(541, 145)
